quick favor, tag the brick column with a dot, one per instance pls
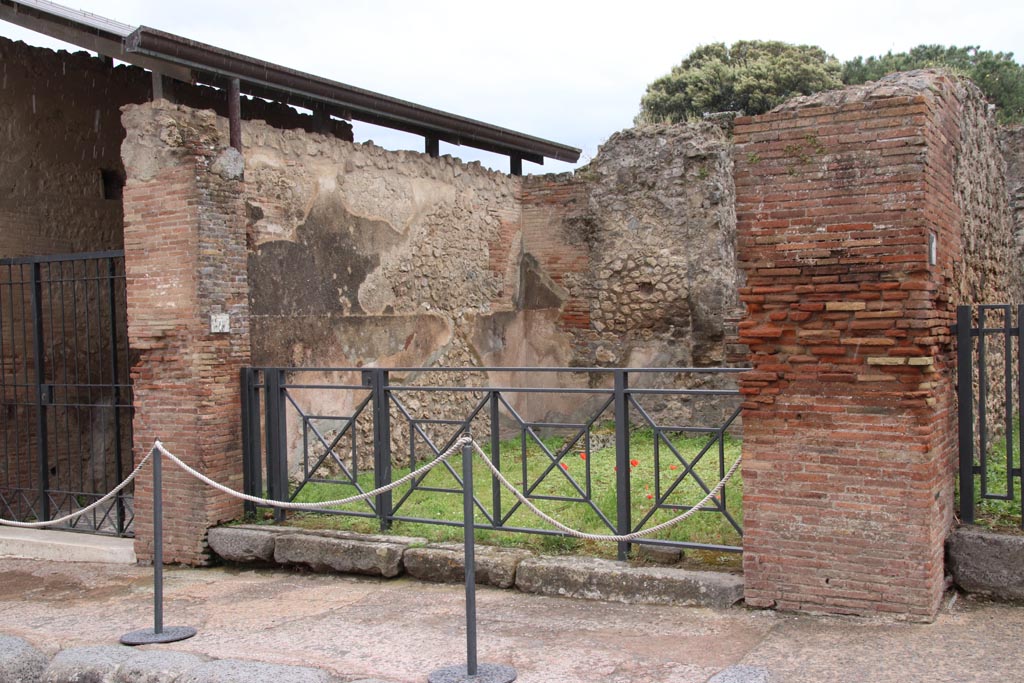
(849, 419)
(185, 260)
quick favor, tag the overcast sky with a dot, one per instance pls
(569, 71)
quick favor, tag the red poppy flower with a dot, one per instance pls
(583, 456)
(564, 466)
(672, 467)
(650, 495)
(634, 463)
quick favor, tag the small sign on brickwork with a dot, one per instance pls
(220, 323)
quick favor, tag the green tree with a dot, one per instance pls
(752, 76)
(1000, 78)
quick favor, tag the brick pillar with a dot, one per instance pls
(849, 417)
(185, 260)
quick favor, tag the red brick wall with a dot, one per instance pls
(185, 259)
(547, 201)
(849, 415)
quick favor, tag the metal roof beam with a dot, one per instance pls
(364, 105)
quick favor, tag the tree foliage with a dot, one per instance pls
(998, 76)
(752, 76)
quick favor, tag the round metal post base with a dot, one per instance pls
(148, 636)
(485, 673)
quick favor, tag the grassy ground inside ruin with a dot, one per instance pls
(556, 480)
(999, 515)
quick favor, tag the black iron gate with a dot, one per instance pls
(990, 384)
(631, 449)
(65, 418)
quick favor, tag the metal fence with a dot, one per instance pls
(624, 448)
(65, 394)
(990, 384)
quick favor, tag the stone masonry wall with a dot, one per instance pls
(1011, 144)
(640, 248)
(850, 425)
(185, 262)
(627, 262)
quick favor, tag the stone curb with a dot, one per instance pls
(346, 553)
(445, 563)
(596, 579)
(389, 556)
(20, 662)
(986, 562)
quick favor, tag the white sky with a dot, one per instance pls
(566, 70)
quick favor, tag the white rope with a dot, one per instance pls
(85, 510)
(618, 538)
(313, 507)
(442, 457)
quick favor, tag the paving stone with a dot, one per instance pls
(20, 662)
(444, 563)
(595, 579)
(742, 674)
(238, 671)
(342, 552)
(987, 563)
(156, 666)
(87, 664)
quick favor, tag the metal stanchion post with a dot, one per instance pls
(471, 671)
(158, 634)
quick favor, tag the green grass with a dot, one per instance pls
(1003, 515)
(553, 480)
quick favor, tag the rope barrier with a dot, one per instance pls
(442, 457)
(313, 507)
(618, 538)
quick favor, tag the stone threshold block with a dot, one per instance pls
(389, 556)
(245, 543)
(445, 563)
(596, 579)
(986, 562)
(345, 552)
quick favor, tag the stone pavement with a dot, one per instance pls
(399, 630)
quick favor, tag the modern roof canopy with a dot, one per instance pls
(190, 61)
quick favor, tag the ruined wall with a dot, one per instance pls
(185, 260)
(638, 247)
(362, 256)
(658, 223)
(850, 424)
(1011, 144)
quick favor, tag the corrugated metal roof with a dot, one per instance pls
(189, 60)
(80, 17)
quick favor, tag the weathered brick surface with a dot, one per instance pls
(185, 260)
(849, 414)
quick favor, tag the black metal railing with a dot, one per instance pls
(65, 392)
(989, 380)
(549, 427)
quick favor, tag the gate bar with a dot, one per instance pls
(42, 393)
(964, 378)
